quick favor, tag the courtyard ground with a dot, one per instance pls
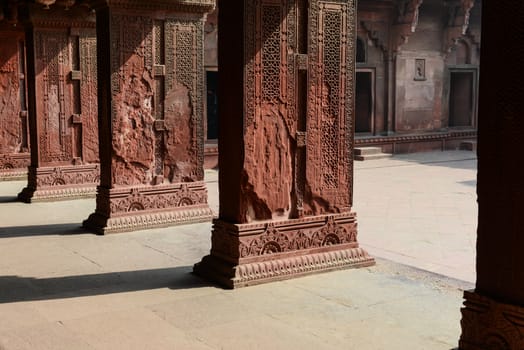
(64, 288)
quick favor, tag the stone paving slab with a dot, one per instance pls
(64, 288)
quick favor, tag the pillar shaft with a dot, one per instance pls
(61, 66)
(493, 313)
(150, 70)
(14, 135)
(286, 168)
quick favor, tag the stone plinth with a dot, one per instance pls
(286, 98)
(150, 68)
(14, 135)
(247, 254)
(61, 67)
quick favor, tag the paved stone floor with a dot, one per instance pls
(63, 288)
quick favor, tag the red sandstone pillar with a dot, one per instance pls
(14, 135)
(493, 314)
(61, 66)
(150, 69)
(286, 142)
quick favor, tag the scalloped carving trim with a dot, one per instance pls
(234, 276)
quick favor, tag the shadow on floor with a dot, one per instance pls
(8, 199)
(42, 230)
(18, 288)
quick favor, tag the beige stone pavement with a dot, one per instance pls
(64, 288)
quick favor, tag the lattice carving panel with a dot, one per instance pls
(270, 127)
(330, 112)
(283, 179)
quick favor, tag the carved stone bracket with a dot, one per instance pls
(247, 254)
(458, 21)
(489, 324)
(406, 22)
(377, 34)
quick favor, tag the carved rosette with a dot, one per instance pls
(488, 324)
(274, 241)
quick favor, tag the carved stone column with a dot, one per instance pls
(61, 70)
(14, 134)
(150, 68)
(286, 167)
(493, 314)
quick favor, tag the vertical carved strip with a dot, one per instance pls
(88, 96)
(329, 129)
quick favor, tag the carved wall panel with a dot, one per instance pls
(63, 101)
(152, 151)
(330, 108)
(155, 104)
(285, 184)
(14, 143)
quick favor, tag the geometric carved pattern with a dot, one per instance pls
(488, 324)
(330, 112)
(271, 52)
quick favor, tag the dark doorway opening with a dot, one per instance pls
(461, 99)
(212, 105)
(363, 102)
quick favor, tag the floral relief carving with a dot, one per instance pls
(274, 240)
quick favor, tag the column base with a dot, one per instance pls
(249, 254)
(13, 167)
(488, 324)
(147, 207)
(60, 183)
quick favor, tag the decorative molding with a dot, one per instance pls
(488, 324)
(14, 162)
(60, 183)
(192, 6)
(415, 138)
(142, 221)
(263, 251)
(145, 207)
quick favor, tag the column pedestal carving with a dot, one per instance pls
(248, 254)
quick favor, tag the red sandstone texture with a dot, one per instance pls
(10, 125)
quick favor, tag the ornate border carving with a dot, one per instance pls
(245, 254)
(60, 183)
(231, 276)
(135, 208)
